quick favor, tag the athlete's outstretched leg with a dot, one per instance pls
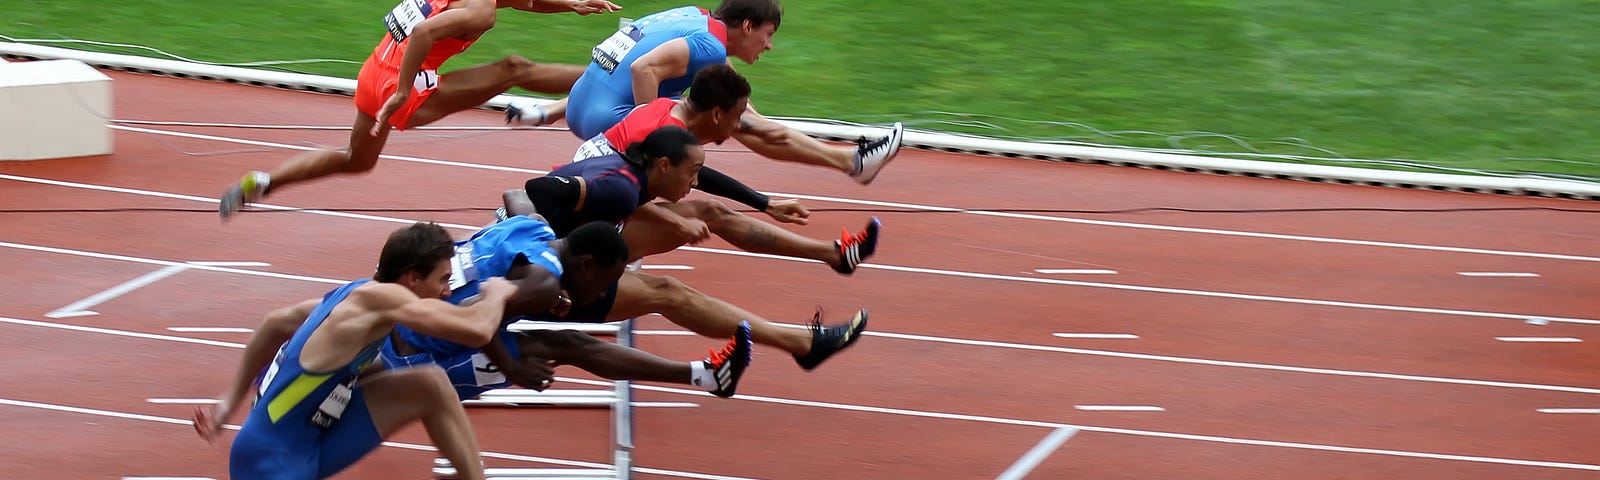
(718, 373)
(397, 397)
(469, 87)
(645, 237)
(360, 156)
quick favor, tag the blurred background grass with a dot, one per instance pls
(1469, 84)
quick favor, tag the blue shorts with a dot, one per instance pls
(592, 108)
(298, 450)
(469, 370)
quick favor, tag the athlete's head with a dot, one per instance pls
(595, 258)
(671, 158)
(417, 257)
(751, 24)
(719, 96)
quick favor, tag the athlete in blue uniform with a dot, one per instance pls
(320, 408)
(658, 56)
(665, 165)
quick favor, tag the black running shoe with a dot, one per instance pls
(729, 364)
(829, 340)
(854, 249)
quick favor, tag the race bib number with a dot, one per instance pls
(462, 271)
(333, 407)
(595, 147)
(486, 373)
(272, 372)
(405, 17)
(609, 54)
(426, 80)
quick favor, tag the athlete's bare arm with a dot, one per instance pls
(467, 20)
(275, 330)
(668, 60)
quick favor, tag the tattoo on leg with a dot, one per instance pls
(760, 236)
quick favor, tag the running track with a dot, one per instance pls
(1278, 345)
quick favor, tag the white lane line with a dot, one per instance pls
(1119, 408)
(77, 309)
(931, 271)
(1497, 274)
(947, 209)
(1097, 335)
(408, 446)
(1587, 411)
(1075, 271)
(666, 267)
(1540, 339)
(210, 329)
(952, 416)
(167, 478)
(183, 401)
(232, 264)
(1037, 454)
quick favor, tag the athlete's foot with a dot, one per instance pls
(729, 364)
(854, 249)
(249, 189)
(829, 340)
(525, 112)
(872, 156)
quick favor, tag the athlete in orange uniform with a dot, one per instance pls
(422, 35)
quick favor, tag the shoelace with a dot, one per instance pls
(718, 358)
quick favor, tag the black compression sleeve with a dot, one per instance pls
(719, 184)
(554, 194)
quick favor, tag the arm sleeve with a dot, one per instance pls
(719, 184)
(555, 194)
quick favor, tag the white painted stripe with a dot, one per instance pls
(211, 329)
(1540, 339)
(675, 333)
(1037, 454)
(666, 404)
(183, 401)
(1497, 274)
(1119, 408)
(1595, 411)
(77, 309)
(1075, 271)
(408, 446)
(1050, 281)
(167, 478)
(123, 333)
(937, 208)
(667, 267)
(232, 264)
(1098, 335)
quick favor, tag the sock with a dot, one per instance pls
(262, 181)
(701, 375)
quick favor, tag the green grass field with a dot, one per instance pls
(1473, 84)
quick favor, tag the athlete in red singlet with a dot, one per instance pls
(422, 34)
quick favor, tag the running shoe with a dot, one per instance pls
(729, 364)
(872, 156)
(249, 189)
(829, 340)
(854, 249)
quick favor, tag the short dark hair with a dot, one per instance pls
(599, 240)
(416, 248)
(758, 12)
(718, 86)
(671, 141)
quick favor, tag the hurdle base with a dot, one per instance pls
(443, 470)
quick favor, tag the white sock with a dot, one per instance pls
(701, 375)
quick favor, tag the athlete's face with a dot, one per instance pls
(591, 280)
(727, 122)
(434, 284)
(755, 40)
(672, 183)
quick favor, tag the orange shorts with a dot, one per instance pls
(377, 81)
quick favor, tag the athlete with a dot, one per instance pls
(422, 35)
(660, 54)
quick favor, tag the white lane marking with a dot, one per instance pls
(1037, 454)
(232, 264)
(1497, 274)
(954, 416)
(1119, 408)
(1098, 335)
(210, 329)
(1075, 271)
(77, 309)
(1540, 339)
(1050, 281)
(1586, 411)
(123, 333)
(667, 267)
(408, 446)
(946, 209)
(167, 478)
(183, 401)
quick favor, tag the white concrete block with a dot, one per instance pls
(53, 109)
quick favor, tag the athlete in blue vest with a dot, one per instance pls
(658, 56)
(320, 408)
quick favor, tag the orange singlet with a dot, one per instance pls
(379, 77)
